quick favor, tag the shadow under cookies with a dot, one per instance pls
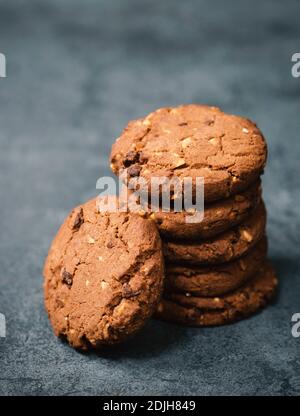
(156, 337)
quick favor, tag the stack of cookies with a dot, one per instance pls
(216, 269)
(109, 270)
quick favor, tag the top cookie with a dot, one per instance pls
(103, 276)
(228, 151)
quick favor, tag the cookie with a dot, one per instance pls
(225, 247)
(217, 279)
(228, 151)
(218, 216)
(103, 276)
(242, 303)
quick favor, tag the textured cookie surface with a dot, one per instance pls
(103, 276)
(243, 302)
(218, 217)
(228, 151)
(223, 248)
(216, 279)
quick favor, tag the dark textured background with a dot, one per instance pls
(77, 71)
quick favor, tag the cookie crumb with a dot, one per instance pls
(242, 265)
(90, 240)
(104, 285)
(186, 142)
(247, 236)
(146, 122)
(178, 161)
(214, 141)
(113, 168)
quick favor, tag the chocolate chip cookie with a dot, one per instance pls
(228, 151)
(103, 276)
(218, 217)
(225, 247)
(216, 279)
(245, 301)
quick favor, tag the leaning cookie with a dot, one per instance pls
(217, 279)
(103, 276)
(225, 247)
(192, 141)
(247, 300)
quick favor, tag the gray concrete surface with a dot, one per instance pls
(77, 71)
